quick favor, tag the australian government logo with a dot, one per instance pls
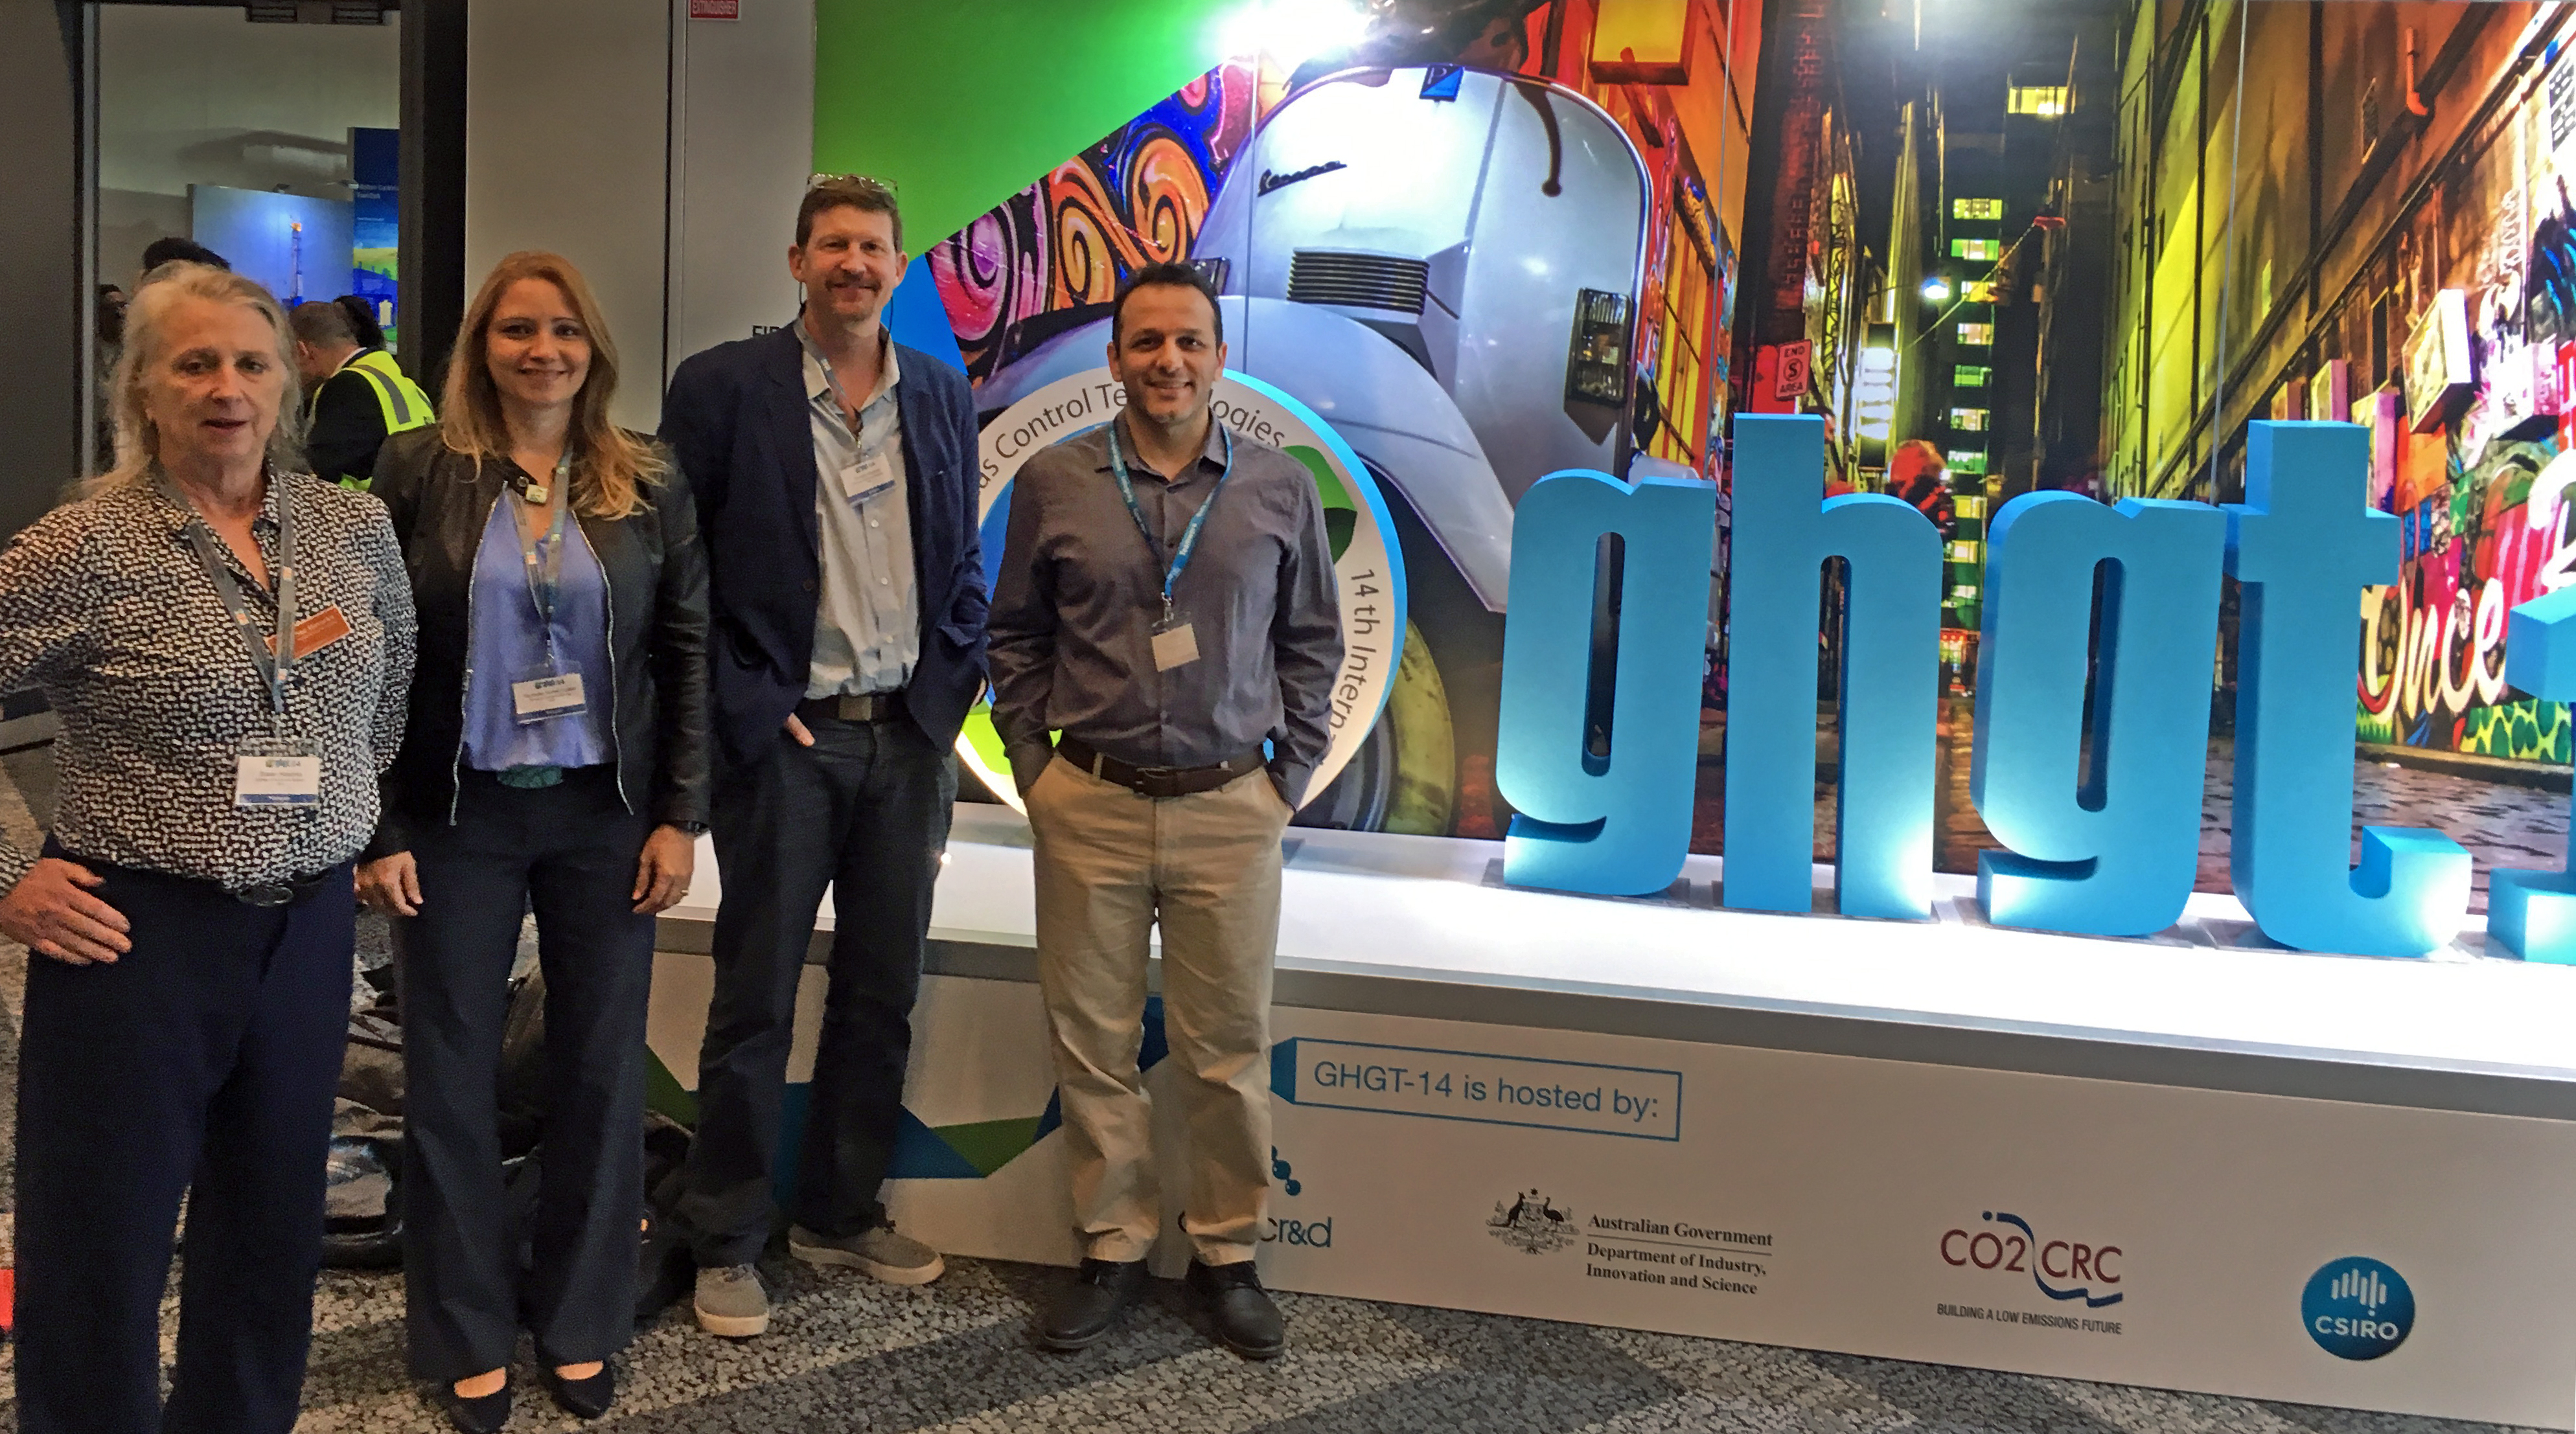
(2080, 1279)
(2357, 1308)
(1637, 1250)
(1532, 1224)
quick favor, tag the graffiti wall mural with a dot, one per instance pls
(1052, 255)
(1403, 233)
(2480, 472)
(2433, 645)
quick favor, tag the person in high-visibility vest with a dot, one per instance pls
(359, 394)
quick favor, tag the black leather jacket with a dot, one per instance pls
(657, 627)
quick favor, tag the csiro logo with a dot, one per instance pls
(2357, 1308)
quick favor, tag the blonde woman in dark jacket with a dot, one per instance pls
(556, 756)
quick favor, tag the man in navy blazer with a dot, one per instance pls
(835, 474)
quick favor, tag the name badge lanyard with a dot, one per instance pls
(1189, 535)
(841, 405)
(543, 560)
(274, 666)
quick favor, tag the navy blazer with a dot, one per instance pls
(736, 416)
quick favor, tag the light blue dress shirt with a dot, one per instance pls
(867, 628)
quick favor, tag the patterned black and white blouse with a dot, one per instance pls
(104, 606)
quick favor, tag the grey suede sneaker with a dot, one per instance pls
(731, 1303)
(878, 1250)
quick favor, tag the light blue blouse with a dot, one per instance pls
(509, 642)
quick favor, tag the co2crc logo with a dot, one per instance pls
(2357, 1308)
(2063, 1269)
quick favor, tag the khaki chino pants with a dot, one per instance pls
(1111, 865)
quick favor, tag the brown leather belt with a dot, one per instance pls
(856, 707)
(1159, 782)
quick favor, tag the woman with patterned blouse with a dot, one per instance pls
(228, 642)
(556, 758)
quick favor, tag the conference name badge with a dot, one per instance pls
(277, 772)
(547, 693)
(317, 632)
(866, 480)
(1176, 645)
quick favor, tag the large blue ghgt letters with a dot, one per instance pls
(2533, 913)
(1617, 825)
(2303, 544)
(1785, 530)
(2109, 847)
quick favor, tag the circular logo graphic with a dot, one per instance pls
(1367, 562)
(2357, 1308)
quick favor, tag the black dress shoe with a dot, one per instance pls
(1240, 1310)
(582, 1398)
(1085, 1309)
(485, 1415)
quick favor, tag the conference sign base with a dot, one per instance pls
(2192, 1161)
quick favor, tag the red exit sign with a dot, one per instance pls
(715, 9)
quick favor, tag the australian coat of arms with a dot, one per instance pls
(1532, 1223)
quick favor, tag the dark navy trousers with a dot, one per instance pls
(203, 1062)
(569, 851)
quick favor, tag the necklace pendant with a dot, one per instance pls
(539, 494)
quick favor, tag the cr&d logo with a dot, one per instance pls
(2063, 1269)
(1288, 1229)
(2357, 1308)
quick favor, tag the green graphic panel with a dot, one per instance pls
(665, 1096)
(989, 1145)
(1341, 514)
(961, 105)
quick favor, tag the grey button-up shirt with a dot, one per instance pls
(1080, 593)
(867, 625)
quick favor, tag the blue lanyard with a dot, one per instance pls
(543, 559)
(1198, 520)
(842, 408)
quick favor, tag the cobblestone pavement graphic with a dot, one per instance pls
(845, 1353)
(2501, 824)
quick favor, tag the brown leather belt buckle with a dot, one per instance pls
(858, 707)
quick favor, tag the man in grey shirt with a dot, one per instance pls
(1166, 602)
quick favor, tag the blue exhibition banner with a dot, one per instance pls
(375, 191)
(2097, 805)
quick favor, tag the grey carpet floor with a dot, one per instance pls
(846, 1353)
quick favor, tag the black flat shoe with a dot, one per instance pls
(1241, 1311)
(583, 1398)
(473, 1416)
(1083, 1311)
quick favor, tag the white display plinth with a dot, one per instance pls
(1806, 1126)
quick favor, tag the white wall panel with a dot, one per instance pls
(567, 147)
